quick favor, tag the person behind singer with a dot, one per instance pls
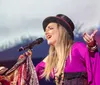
(68, 62)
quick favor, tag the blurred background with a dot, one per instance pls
(21, 23)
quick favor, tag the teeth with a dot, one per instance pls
(48, 36)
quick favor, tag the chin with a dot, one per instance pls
(49, 43)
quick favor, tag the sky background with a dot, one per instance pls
(23, 18)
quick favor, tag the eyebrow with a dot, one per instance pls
(48, 26)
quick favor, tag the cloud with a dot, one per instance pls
(24, 17)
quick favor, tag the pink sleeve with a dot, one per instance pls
(39, 69)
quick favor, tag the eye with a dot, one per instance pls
(51, 28)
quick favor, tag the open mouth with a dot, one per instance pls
(49, 36)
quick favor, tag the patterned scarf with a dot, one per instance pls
(23, 72)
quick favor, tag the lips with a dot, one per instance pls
(48, 36)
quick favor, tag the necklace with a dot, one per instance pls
(59, 80)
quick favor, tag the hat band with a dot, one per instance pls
(64, 21)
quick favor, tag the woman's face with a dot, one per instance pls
(52, 33)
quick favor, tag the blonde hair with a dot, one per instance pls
(58, 55)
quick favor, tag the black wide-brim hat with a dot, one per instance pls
(61, 19)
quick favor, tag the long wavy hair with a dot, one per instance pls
(58, 54)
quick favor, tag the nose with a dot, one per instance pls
(46, 31)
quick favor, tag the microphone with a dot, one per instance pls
(29, 46)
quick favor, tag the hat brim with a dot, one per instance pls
(53, 19)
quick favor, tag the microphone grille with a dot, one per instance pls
(40, 40)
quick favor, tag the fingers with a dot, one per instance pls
(28, 53)
(87, 38)
(94, 33)
(21, 56)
